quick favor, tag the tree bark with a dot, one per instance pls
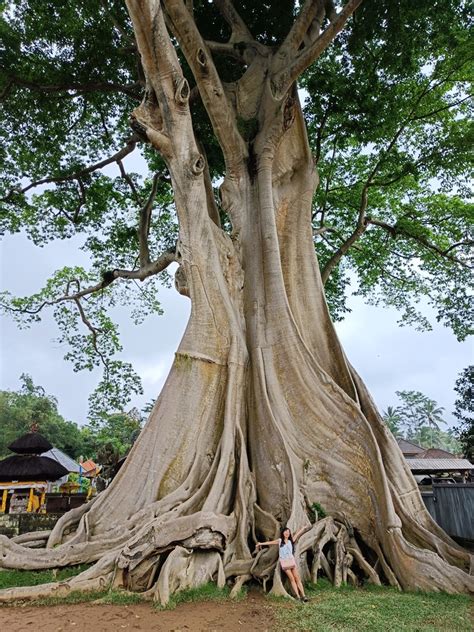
(261, 415)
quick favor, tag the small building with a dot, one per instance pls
(24, 476)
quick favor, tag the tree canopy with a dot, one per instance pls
(32, 406)
(420, 419)
(464, 410)
(388, 116)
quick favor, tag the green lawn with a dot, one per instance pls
(10, 578)
(369, 609)
(375, 609)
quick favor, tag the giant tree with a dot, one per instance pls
(262, 416)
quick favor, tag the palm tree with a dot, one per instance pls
(392, 418)
(431, 416)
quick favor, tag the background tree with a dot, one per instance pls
(261, 415)
(417, 412)
(392, 418)
(31, 405)
(464, 410)
(417, 418)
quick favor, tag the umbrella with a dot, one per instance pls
(30, 443)
(27, 467)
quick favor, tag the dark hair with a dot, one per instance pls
(290, 537)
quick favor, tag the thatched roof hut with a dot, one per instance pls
(30, 443)
(30, 467)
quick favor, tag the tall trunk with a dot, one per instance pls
(261, 415)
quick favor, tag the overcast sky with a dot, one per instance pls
(388, 357)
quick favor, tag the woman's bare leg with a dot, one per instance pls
(294, 585)
(298, 581)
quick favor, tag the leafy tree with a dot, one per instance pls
(261, 415)
(31, 405)
(419, 411)
(115, 433)
(464, 410)
(432, 438)
(393, 420)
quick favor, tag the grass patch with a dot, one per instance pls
(12, 578)
(206, 592)
(373, 609)
(109, 597)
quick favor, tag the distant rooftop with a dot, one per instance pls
(439, 465)
(408, 447)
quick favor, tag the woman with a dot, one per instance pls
(287, 560)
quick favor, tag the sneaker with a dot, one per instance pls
(304, 599)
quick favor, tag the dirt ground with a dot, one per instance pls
(251, 614)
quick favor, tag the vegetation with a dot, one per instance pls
(10, 578)
(418, 419)
(373, 609)
(31, 405)
(107, 433)
(464, 410)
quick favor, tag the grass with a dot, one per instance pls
(373, 609)
(13, 578)
(206, 592)
(347, 609)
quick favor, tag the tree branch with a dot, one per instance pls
(312, 10)
(284, 77)
(240, 31)
(209, 84)
(397, 230)
(360, 229)
(108, 277)
(128, 149)
(144, 225)
(74, 88)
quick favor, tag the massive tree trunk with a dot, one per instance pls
(261, 415)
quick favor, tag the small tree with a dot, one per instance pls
(464, 410)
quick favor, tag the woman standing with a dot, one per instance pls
(287, 559)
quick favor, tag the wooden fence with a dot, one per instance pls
(452, 506)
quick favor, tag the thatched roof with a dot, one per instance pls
(28, 467)
(30, 443)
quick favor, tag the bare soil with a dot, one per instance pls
(251, 614)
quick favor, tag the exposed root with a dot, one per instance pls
(98, 577)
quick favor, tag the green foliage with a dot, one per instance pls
(318, 511)
(464, 410)
(418, 419)
(19, 410)
(107, 434)
(387, 114)
(12, 578)
(392, 418)
(373, 609)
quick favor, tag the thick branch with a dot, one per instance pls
(209, 84)
(312, 10)
(239, 28)
(284, 78)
